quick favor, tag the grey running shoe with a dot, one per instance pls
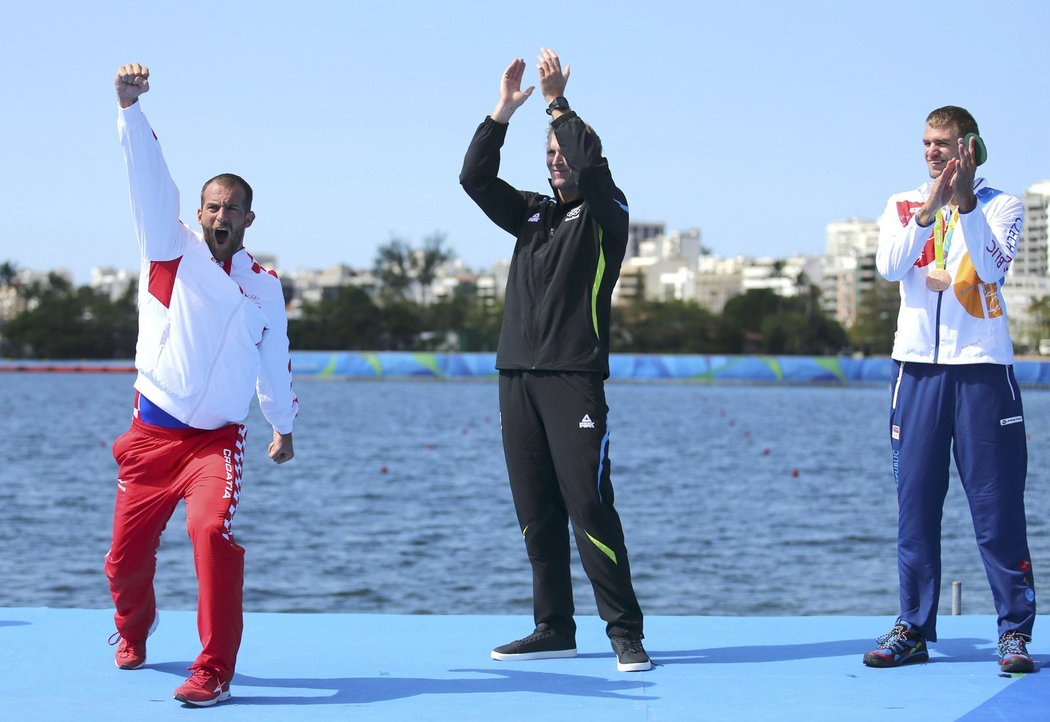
(630, 655)
(543, 643)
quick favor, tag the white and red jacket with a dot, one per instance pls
(210, 335)
(965, 324)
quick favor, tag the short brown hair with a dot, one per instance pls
(953, 115)
(229, 180)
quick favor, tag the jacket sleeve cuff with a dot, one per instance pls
(563, 119)
(135, 109)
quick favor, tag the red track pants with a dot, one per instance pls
(158, 467)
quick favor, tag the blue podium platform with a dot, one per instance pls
(56, 665)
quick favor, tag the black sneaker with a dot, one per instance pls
(1013, 653)
(902, 644)
(544, 643)
(630, 655)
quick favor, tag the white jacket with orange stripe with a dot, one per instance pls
(210, 336)
(965, 324)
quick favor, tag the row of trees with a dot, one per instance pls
(66, 322)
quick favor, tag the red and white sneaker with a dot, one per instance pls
(202, 689)
(132, 655)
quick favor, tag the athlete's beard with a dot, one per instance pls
(233, 242)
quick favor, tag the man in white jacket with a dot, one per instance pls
(949, 243)
(212, 334)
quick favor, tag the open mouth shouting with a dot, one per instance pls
(223, 241)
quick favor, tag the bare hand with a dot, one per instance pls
(552, 79)
(132, 81)
(511, 96)
(962, 182)
(280, 448)
(953, 185)
(940, 195)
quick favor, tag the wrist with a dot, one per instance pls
(557, 103)
(925, 218)
(501, 113)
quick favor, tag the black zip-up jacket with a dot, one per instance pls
(567, 256)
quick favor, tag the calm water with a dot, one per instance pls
(397, 501)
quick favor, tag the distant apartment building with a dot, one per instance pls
(113, 282)
(1033, 255)
(13, 297)
(491, 286)
(846, 280)
(451, 277)
(787, 277)
(1029, 276)
(638, 232)
(848, 268)
(852, 237)
(663, 269)
(11, 302)
(315, 286)
(718, 280)
(677, 267)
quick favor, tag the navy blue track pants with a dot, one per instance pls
(973, 411)
(556, 444)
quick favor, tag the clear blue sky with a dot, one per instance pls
(758, 122)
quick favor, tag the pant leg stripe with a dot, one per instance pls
(604, 549)
(601, 459)
(897, 385)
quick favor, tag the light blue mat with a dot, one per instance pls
(56, 665)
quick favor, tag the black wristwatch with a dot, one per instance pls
(558, 103)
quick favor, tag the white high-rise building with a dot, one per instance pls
(852, 237)
(849, 267)
(638, 232)
(1029, 276)
(1033, 258)
(664, 267)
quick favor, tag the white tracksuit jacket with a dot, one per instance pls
(209, 335)
(965, 324)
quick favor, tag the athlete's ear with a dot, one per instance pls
(248, 218)
(980, 150)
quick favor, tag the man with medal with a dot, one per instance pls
(950, 243)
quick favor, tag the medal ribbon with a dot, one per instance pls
(942, 237)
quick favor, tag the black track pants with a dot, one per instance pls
(556, 444)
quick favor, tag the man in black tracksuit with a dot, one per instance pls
(553, 359)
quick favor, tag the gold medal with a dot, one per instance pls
(938, 279)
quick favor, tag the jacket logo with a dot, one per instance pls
(907, 209)
(534, 218)
(574, 213)
(586, 423)
(1011, 420)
